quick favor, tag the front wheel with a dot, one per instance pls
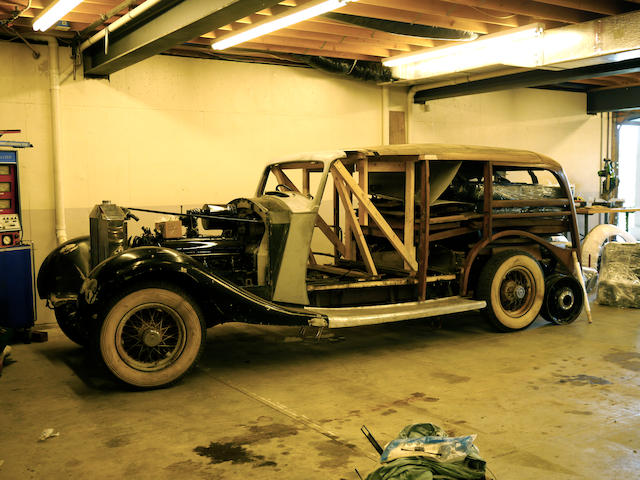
(512, 284)
(151, 337)
(71, 324)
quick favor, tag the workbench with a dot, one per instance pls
(593, 209)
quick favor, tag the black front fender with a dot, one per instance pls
(65, 268)
(220, 300)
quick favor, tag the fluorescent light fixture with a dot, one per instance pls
(516, 47)
(54, 12)
(271, 24)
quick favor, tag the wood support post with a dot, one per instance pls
(366, 205)
(487, 225)
(425, 214)
(352, 221)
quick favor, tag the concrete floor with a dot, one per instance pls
(548, 402)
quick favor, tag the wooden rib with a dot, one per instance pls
(409, 207)
(325, 25)
(423, 244)
(533, 9)
(365, 203)
(343, 40)
(331, 235)
(320, 223)
(349, 33)
(611, 7)
(305, 181)
(386, 13)
(363, 181)
(454, 232)
(447, 9)
(454, 218)
(487, 210)
(354, 224)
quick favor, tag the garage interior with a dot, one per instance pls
(128, 102)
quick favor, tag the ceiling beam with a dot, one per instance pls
(322, 24)
(397, 15)
(149, 35)
(537, 10)
(533, 78)
(444, 9)
(329, 48)
(613, 99)
(611, 7)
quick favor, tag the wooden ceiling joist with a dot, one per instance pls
(536, 10)
(445, 9)
(325, 25)
(328, 48)
(328, 37)
(612, 7)
(343, 40)
(386, 13)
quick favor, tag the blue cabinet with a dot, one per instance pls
(17, 301)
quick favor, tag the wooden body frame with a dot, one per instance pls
(351, 195)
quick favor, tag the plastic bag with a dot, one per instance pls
(441, 449)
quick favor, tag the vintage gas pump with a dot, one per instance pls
(17, 300)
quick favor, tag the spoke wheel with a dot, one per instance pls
(512, 284)
(151, 337)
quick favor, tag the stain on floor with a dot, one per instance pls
(258, 433)
(115, 442)
(231, 452)
(451, 377)
(333, 454)
(582, 379)
(628, 360)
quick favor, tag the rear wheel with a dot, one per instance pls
(563, 299)
(512, 284)
(151, 337)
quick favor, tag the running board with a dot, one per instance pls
(375, 314)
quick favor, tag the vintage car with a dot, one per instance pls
(398, 232)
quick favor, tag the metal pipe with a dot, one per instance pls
(106, 16)
(56, 140)
(118, 23)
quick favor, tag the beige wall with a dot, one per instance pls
(170, 131)
(174, 131)
(545, 121)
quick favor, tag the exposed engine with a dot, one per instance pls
(227, 245)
